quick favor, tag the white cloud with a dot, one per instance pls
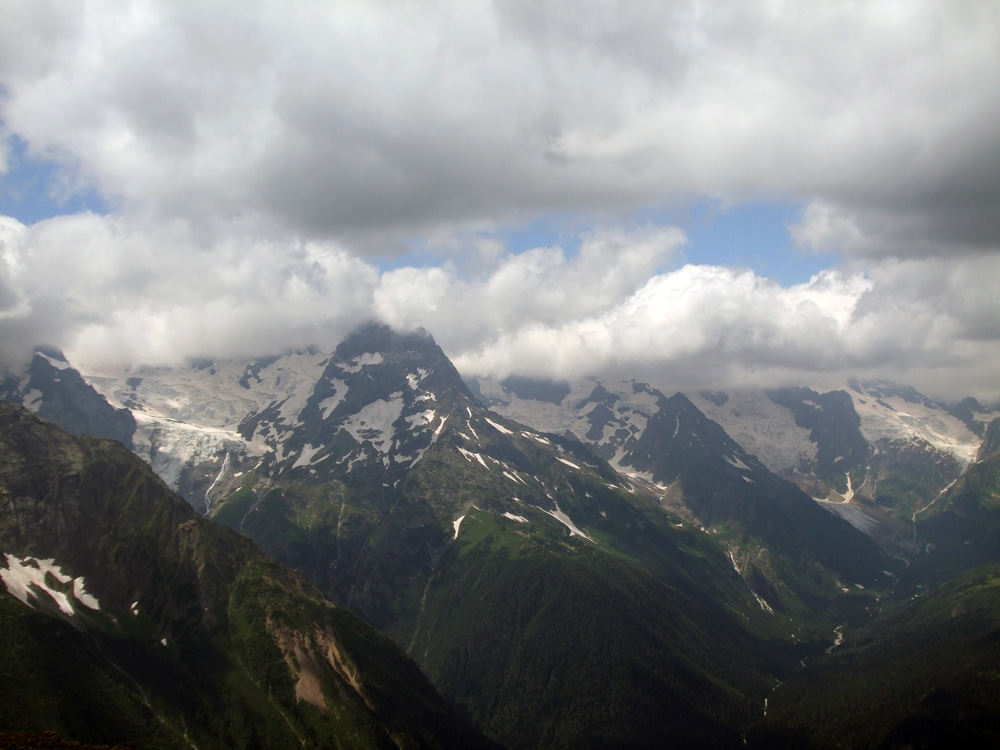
(367, 118)
(407, 298)
(704, 326)
(718, 316)
(107, 291)
(256, 155)
(543, 285)
(821, 228)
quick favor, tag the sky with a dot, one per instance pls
(697, 194)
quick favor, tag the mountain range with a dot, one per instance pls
(129, 617)
(591, 564)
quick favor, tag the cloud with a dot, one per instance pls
(114, 289)
(544, 285)
(715, 316)
(261, 161)
(366, 119)
(109, 291)
(928, 322)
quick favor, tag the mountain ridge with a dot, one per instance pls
(483, 544)
(190, 633)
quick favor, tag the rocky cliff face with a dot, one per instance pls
(55, 391)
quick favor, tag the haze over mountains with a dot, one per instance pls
(588, 563)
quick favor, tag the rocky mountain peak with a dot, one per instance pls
(379, 403)
(373, 337)
(974, 415)
(54, 390)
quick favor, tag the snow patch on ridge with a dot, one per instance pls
(469, 455)
(568, 523)
(735, 461)
(763, 604)
(536, 438)
(308, 452)
(355, 365)
(421, 419)
(499, 427)
(327, 405)
(80, 592)
(514, 478)
(375, 421)
(25, 577)
(32, 400)
(56, 363)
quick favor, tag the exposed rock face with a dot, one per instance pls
(55, 391)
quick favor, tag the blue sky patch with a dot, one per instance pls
(28, 190)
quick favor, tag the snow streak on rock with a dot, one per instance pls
(499, 427)
(568, 523)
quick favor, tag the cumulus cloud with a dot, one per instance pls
(111, 291)
(544, 286)
(361, 118)
(698, 318)
(260, 161)
(108, 292)
(931, 323)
